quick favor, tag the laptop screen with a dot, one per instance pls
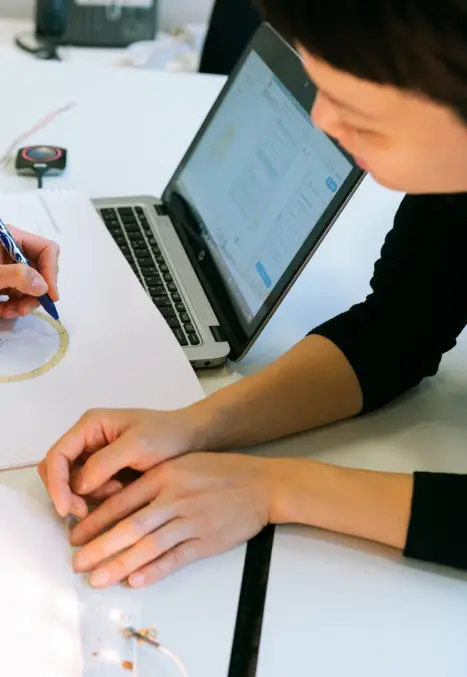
(259, 179)
(259, 187)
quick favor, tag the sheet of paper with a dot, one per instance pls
(121, 352)
(26, 345)
(40, 628)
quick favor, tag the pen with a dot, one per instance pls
(6, 239)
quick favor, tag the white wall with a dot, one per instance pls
(176, 12)
(173, 12)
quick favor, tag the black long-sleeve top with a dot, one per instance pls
(397, 337)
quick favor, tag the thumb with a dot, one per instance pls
(22, 278)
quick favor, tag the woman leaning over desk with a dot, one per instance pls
(392, 88)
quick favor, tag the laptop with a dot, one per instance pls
(249, 204)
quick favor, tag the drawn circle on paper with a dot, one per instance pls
(30, 346)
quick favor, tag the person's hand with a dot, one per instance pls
(89, 458)
(21, 283)
(195, 506)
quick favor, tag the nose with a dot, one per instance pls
(325, 117)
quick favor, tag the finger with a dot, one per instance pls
(47, 265)
(78, 506)
(114, 509)
(181, 556)
(87, 434)
(8, 314)
(104, 465)
(110, 489)
(148, 549)
(21, 307)
(123, 536)
(57, 482)
(23, 278)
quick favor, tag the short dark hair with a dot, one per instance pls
(416, 45)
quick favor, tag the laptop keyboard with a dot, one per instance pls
(132, 232)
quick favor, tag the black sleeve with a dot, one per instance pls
(418, 304)
(439, 519)
(417, 309)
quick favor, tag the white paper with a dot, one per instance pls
(121, 351)
(26, 345)
(40, 631)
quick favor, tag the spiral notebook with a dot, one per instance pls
(114, 349)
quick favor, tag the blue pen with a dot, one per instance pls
(6, 239)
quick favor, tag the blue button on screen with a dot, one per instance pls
(264, 276)
(331, 184)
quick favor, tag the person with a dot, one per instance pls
(391, 83)
(233, 23)
(21, 285)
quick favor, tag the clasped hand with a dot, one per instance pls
(182, 507)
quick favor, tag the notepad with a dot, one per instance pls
(40, 633)
(119, 350)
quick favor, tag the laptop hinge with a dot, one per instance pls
(218, 333)
(161, 210)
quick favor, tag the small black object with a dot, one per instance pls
(51, 18)
(41, 160)
(233, 24)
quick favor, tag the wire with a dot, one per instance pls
(41, 50)
(11, 150)
(40, 178)
(141, 636)
(176, 660)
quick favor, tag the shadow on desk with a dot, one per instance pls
(379, 554)
(423, 430)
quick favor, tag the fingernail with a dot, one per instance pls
(99, 578)
(137, 581)
(80, 485)
(81, 562)
(10, 314)
(38, 285)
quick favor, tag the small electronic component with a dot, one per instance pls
(106, 649)
(110, 640)
(40, 161)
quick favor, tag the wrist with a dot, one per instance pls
(215, 422)
(291, 490)
(371, 505)
(199, 421)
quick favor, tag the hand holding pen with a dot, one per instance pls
(28, 273)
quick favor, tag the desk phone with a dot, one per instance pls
(86, 24)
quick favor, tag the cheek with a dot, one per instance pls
(416, 170)
(397, 169)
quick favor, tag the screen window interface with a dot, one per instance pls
(259, 181)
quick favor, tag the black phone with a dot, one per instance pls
(110, 24)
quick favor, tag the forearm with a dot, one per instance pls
(371, 505)
(312, 385)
